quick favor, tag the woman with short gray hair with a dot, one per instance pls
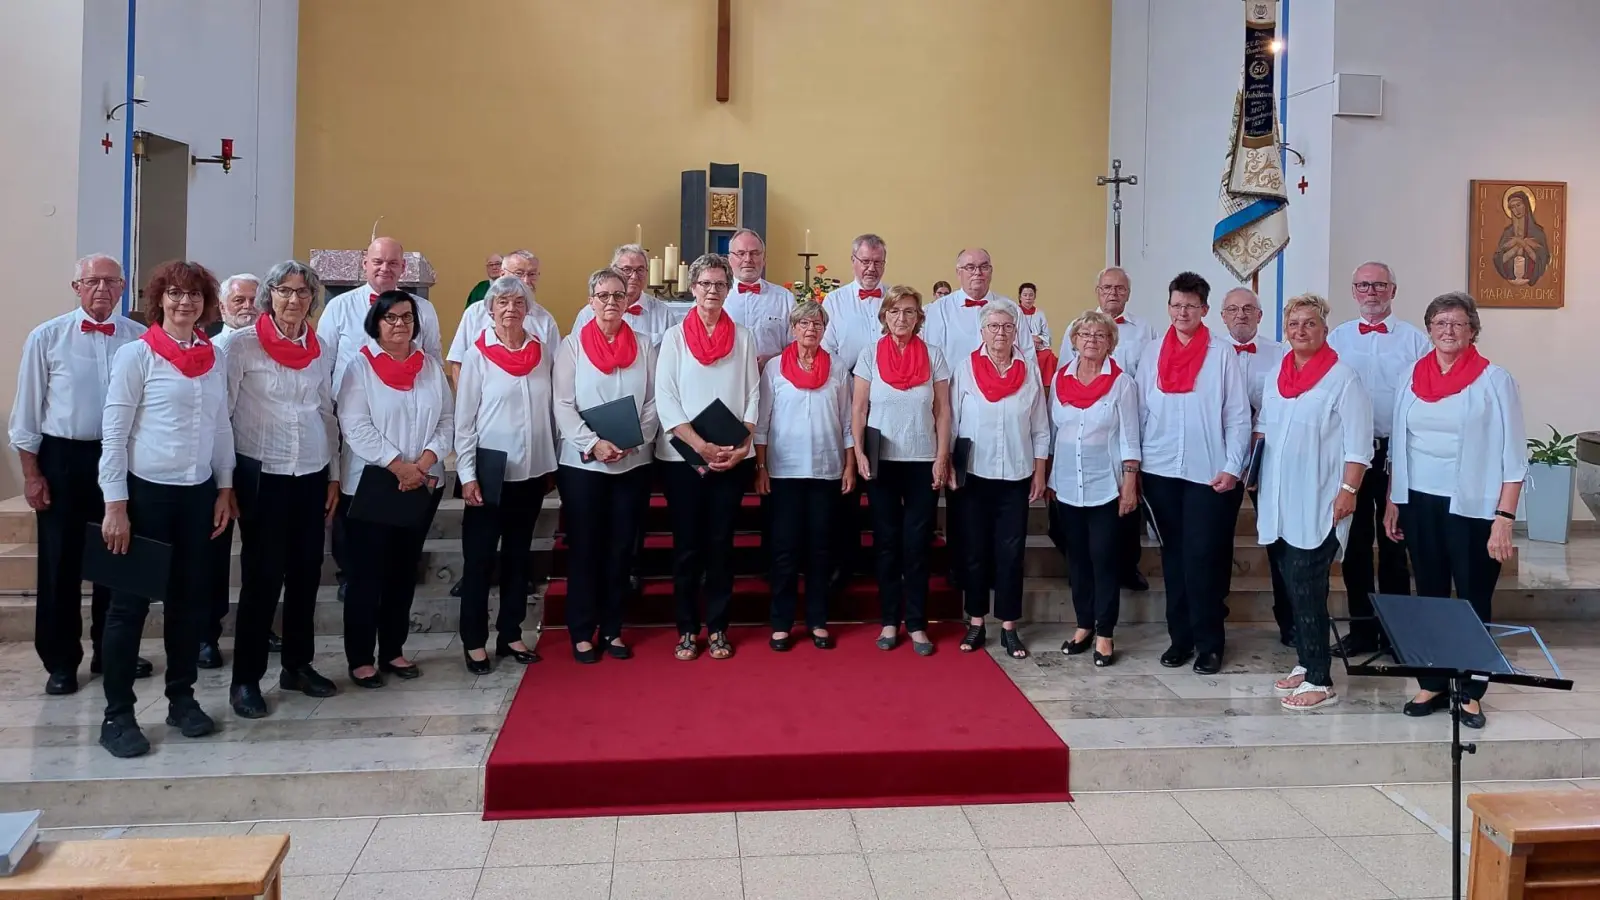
(280, 390)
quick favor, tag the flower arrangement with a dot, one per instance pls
(820, 286)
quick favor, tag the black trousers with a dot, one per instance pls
(603, 514)
(903, 505)
(1092, 538)
(217, 594)
(703, 510)
(804, 528)
(1130, 543)
(1365, 528)
(502, 533)
(382, 570)
(1282, 607)
(339, 538)
(71, 471)
(280, 552)
(1196, 526)
(994, 522)
(179, 515)
(1448, 551)
(1305, 578)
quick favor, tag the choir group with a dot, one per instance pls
(1369, 433)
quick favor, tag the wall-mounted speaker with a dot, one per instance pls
(1357, 95)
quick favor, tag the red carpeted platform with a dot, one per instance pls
(808, 729)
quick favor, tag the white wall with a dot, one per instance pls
(41, 60)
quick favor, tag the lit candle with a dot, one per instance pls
(638, 235)
(655, 270)
(670, 264)
(683, 276)
(808, 240)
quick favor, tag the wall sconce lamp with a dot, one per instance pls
(138, 99)
(225, 158)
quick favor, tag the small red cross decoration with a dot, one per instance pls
(106, 143)
(1303, 184)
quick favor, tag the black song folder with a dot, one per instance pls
(378, 499)
(1252, 464)
(246, 483)
(143, 571)
(616, 421)
(960, 460)
(716, 424)
(872, 439)
(491, 474)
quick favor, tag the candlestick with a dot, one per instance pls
(683, 276)
(655, 270)
(808, 240)
(638, 235)
(670, 264)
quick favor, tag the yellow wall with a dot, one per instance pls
(481, 125)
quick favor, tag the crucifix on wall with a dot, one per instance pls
(724, 40)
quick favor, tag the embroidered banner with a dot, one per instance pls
(1254, 226)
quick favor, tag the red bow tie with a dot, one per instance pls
(1121, 320)
(636, 310)
(874, 292)
(105, 328)
(371, 299)
(1381, 328)
(1244, 348)
(967, 304)
(751, 288)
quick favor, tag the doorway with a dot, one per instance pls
(161, 204)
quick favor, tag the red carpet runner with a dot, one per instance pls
(809, 729)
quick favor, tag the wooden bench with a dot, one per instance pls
(1537, 845)
(210, 868)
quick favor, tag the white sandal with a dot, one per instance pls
(1329, 697)
(1284, 689)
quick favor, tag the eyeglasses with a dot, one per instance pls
(1112, 288)
(1184, 307)
(1093, 336)
(712, 287)
(1372, 287)
(631, 271)
(101, 281)
(178, 295)
(809, 325)
(1442, 325)
(868, 263)
(1000, 327)
(1241, 310)
(284, 292)
(610, 296)
(903, 312)
(399, 318)
(977, 269)
(747, 254)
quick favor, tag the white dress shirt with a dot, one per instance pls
(805, 432)
(381, 424)
(342, 328)
(506, 412)
(1037, 326)
(1092, 444)
(1306, 441)
(1433, 432)
(765, 315)
(61, 382)
(904, 418)
(1257, 367)
(853, 324)
(649, 326)
(684, 388)
(1490, 412)
(1201, 434)
(578, 385)
(1383, 361)
(475, 318)
(1008, 435)
(282, 417)
(1133, 335)
(163, 426)
(953, 327)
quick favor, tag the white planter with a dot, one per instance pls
(1547, 502)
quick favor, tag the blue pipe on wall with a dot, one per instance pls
(127, 168)
(1283, 130)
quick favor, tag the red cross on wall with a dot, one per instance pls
(1303, 184)
(106, 143)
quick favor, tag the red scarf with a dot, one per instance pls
(1072, 392)
(283, 351)
(1047, 366)
(1292, 383)
(1179, 365)
(708, 348)
(994, 386)
(799, 377)
(608, 356)
(1432, 385)
(401, 376)
(193, 362)
(516, 363)
(903, 369)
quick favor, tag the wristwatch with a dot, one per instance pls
(1509, 516)
(1347, 488)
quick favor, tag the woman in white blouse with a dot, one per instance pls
(395, 411)
(997, 403)
(503, 404)
(280, 389)
(1195, 430)
(902, 396)
(804, 464)
(1316, 431)
(706, 358)
(604, 487)
(1457, 459)
(1094, 476)
(166, 471)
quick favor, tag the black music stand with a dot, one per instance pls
(1442, 637)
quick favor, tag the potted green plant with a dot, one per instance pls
(1547, 501)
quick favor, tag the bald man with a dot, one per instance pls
(342, 328)
(491, 271)
(952, 320)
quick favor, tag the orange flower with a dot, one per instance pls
(821, 269)
(789, 285)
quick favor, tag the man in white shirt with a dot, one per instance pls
(1382, 349)
(342, 326)
(645, 314)
(852, 309)
(538, 322)
(237, 307)
(952, 320)
(754, 302)
(55, 429)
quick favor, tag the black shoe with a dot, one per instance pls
(122, 738)
(1354, 645)
(274, 643)
(1474, 719)
(477, 666)
(1101, 660)
(1175, 657)
(526, 657)
(210, 656)
(1136, 582)
(247, 701)
(783, 644)
(405, 673)
(308, 681)
(371, 682)
(142, 668)
(822, 641)
(617, 651)
(1427, 707)
(61, 683)
(191, 720)
(1286, 638)
(1072, 648)
(974, 639)
(588, 657)
(1206, 663)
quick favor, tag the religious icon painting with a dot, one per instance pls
(1517, 244)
